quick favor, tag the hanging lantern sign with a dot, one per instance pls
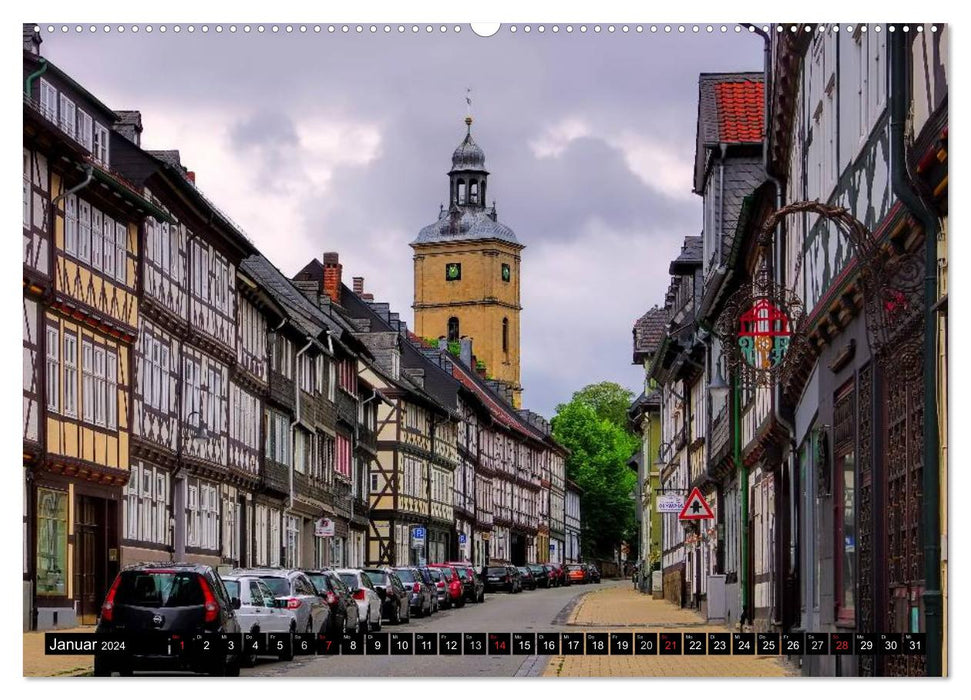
(763, 334)
(760, 328)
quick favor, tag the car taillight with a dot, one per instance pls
(211, 604)
(108, 607)
(358, 594)
(416, 588)
(331, 598)
(293, 603)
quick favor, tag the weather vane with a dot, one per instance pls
(468, 108)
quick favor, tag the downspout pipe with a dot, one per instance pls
(904, 190)
(29, 80)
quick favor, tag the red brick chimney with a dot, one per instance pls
(332, 277)
(358, 285)
(191, 175)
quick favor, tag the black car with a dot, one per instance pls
(541, 575)
(529, 581)
(498, 578)
(180, 600)
(338, 597)
(594, 573)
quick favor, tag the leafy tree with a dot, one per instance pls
(599, 450)
(608, 399)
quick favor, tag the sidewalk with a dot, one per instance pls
(37, 663)
(622, 609)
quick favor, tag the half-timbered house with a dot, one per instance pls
(80, 324)
(195, 435)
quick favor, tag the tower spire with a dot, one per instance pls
(468, 109)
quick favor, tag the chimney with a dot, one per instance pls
(32, 39)
(367, 297)
(332, 277)
(129, 125)
(465, 350)
(358, 286)
(191, 175)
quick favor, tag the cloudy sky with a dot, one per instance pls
(319, 142)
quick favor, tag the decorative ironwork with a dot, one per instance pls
(865, 524)
(758, 327)
(763, 327)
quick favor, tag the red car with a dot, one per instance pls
(456, 590)
(472, 584)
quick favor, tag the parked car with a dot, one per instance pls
(563, 574)
(529, 581)
(396, 600)
(259, 612)
(310, 610)
(551, 575)
(575, 573)
(369, 601)
(502, 578)
(428, 580)
(420, 594)
(540, 575)
(594, 573)
(472, 586)
(183, 599)
(456, 589)
(440, 582)
(344, 613)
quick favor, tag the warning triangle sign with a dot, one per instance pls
(696, 507)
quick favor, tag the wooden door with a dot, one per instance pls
(89, 557)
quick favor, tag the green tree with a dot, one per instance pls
(608, 399)
(599, 451)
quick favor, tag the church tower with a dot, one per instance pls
(467, 268)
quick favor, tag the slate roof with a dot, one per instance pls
(466, 224)
(648, 331)
(309, 317)
(690, 256)
(730, 110)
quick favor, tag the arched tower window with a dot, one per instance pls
(453, 328)
(461, 192)
(505, 335)
(474, 192)
(482, 195)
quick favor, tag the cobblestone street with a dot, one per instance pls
(617, 607)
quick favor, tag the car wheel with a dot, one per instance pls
(408, 617)
(377, 625)
(364, 626)
(395, 617)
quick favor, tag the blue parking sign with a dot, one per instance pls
(462, 538)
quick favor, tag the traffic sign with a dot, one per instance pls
(417, 537)
(696, 508)
(462, 538)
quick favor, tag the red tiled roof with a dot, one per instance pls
(740, 111)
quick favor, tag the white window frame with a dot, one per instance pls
(48, 100)
(71, 224)
(84, 230)
(84, 129)
(70, 375)
(100, 386)
(291, 546)
(102, 146)
(111, 388)
(87, 381)
(108, 243)
(68, 116)
(53, 370)
(97, 239)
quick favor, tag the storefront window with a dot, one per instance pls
(51, 543)
(847, 534)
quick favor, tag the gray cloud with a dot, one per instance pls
(348, 139)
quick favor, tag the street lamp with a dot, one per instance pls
(718, 389)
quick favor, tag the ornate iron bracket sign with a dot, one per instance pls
(763, 327)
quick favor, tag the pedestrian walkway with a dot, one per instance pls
(622, 609)
(37, 663)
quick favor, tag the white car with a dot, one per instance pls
(259, 611)
(367, 598)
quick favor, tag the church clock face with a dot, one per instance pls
(506, 274)
(453, 271)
